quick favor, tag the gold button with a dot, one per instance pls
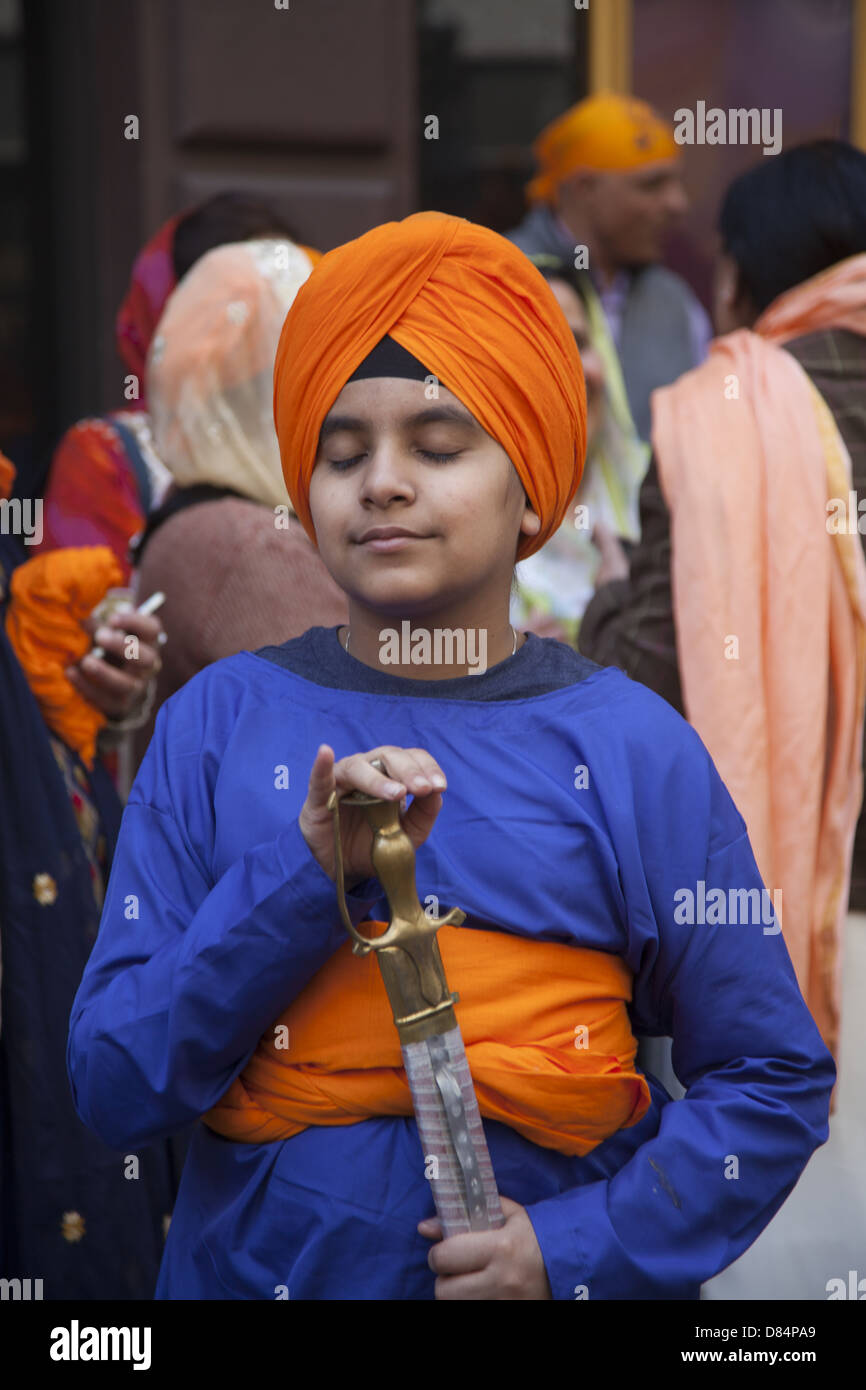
(72, 1226)
(44, 889)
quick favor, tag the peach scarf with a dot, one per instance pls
(545, 1026)
(770, 608)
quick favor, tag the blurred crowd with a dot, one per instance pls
(712, 552)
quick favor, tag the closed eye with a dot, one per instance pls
(341, 465)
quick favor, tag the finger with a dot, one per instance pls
(431, 768)
(321, 782)
(356, 773)
(418, 820)
(411, 772)
(117, 685)
(419, 772)
(508, 1207)
(145, 626)
(137, 656)
(464, 1288)
(106, 702)
(431, 1228)
(148, 663)
(463, 1254)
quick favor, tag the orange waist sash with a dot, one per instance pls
(545, 1027)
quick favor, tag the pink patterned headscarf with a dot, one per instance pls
(150, 285)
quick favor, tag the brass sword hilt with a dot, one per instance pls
(407, 952)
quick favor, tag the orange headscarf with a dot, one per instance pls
(547, 1038)
(473, 309)
(50, 596)
(607, 132)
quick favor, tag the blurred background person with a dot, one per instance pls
(106, 476)
(237, 568)
(556, 583)
(87, 1221)
(609, 181)
(745, 604)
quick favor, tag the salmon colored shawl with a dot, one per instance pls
(770, 608)
(545, 1026)
(472, 308)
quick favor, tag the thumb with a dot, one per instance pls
(322, 780)
(431, 1227)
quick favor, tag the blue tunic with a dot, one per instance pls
(580, 808)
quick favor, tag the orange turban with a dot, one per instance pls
(606, 131)
(472, 308)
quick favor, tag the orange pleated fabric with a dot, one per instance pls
(473, 309)
(50, 597)
(524, 1006)
(607, 131)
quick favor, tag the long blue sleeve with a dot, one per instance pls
(586, 815)
(694, 1197)
(188, 971)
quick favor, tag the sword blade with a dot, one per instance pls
(456, 1157)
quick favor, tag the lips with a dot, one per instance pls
(387, 533)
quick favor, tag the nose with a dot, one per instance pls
(387, 476)
(677, 200)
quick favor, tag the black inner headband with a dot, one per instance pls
(388, 358)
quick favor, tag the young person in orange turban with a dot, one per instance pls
(429, 406)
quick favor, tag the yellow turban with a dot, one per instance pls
(608, 132)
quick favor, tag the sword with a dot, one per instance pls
(443, 1096)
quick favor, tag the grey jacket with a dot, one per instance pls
(663, 325)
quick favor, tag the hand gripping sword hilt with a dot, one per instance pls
(407, 952)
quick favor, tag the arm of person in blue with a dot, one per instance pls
(711, 969)
(190, 968)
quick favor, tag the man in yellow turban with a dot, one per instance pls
(607, 191)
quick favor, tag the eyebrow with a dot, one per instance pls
(436, 414)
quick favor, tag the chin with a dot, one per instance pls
(397, 596)
(593, 422)
(638, 259)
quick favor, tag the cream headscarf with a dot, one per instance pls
(211, 363)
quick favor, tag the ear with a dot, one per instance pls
(577, 186)
(744, 305)
(530, 522)
(732, 303)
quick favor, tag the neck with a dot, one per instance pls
(430, 646)
(600, 265)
